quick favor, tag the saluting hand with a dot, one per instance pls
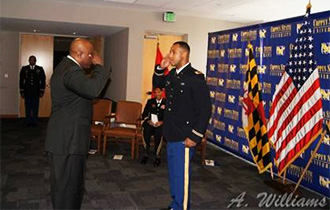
(189, 143)
(165, 62)
(96, 59)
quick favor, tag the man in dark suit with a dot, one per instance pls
(187, 113)
(152, 115)
(68, 131)
(32, 81)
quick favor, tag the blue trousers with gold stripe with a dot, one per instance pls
(179, 168)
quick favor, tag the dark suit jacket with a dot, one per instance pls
(72, 91)
(32, 82)
(188, 104)
(151, 108)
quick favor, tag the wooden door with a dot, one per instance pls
(149, 56)
(41, 46)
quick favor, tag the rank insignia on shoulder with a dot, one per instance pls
(198, 72)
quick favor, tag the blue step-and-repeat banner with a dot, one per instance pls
(226, 67)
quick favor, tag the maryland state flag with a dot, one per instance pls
(159, 72)
(253, 117)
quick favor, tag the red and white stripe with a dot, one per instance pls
(295, 117)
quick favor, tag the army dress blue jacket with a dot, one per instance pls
(188, 103)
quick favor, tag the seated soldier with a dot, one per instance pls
(153, 125)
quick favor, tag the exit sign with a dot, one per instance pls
(169, 17)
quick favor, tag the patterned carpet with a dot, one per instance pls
(124, 184)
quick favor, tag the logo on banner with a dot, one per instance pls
(324, 182)
(232, 68)
(326, 115)
(222, 53)
(212, 67)
(248, 35)
(213, 81)
(230, 128)
(231, 144)
(324, 71)
(218, 138)
(240, 100)
(212, 94)
(223, 68)
(209, 134)
(280, 31)
(213, 111)
(325, 48)
(213, 39)
(321, 25)
(325, 94)
(326, 140)
(219, 110)
(223, 39)
(231, 99)
(241, 133)
(221, 82)
(245, 149)
(280, 50)
(235, 36)
(234, 52)
(296, 171)
(213, 53)
(298, 26)
(262, 33)
(266, 88)
(276, 70)
(219, 125)
(220, 97)
(266, 51)
(233, 84)
(243, 68)
(231, 114)
(322, 160)
(262, 69)
(246, 52)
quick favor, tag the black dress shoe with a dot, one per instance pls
(144, 160)
(157, 162)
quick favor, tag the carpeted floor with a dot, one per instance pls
(124, 184)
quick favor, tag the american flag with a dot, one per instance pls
(296, 113)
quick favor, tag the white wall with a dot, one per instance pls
(138, 23)
(115, 57)
(9, 64)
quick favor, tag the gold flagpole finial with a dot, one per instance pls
(309, 5)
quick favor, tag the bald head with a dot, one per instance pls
(81, 50)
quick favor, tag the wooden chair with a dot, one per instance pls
(127, 113)
(202, 148)
(101, 113)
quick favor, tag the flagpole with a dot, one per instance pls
(284, 177)
(309, 5)
(271, 172)
(310, 159)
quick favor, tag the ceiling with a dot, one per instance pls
(60, 28)
(243, 11)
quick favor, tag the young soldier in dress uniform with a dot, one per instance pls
(32, 86)
(155, 106)
(188, 109)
